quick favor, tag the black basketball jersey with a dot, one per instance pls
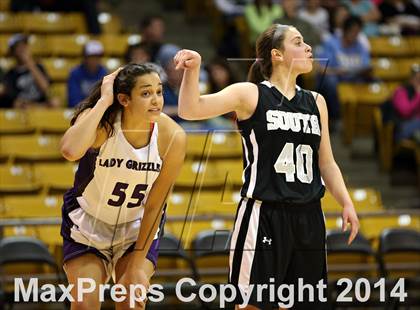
(280, 147)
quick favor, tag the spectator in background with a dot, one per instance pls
(367, 12)
(152, 30)
(2, 85)
(220, 75)
(346, 60)
(84, 76)
(171, 91)
(229, 45)
(311, 35)
(138, 53)
(173, 79)
(259, 15)
(403, 13)
(406, 102)
(317, 16)
(26, 84)
(342, 13)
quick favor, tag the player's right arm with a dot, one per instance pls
(239, 97)
(86, 132)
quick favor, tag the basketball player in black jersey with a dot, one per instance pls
(279, 231)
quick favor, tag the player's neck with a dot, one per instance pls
(284, 81)
(130, 123)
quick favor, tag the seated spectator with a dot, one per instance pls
(152, 30)
(259, 15)
(84, 76)
(367, 12)
(342, 13)
(220, 75)
(311, 35)
(171, 91)
(346, 60)
(138, 53)
(402, 13)
(406, 102)
(2, 86)
(26, 84)
(229, 10)
(317, 16)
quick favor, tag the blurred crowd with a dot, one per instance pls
(337, 30)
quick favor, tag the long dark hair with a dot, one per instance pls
(271, 38)
(123, 84)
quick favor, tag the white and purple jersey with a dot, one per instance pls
(112, 184)
(102, 212)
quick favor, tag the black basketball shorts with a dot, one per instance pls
(277, 253)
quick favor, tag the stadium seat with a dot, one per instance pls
(32, 206)
(373, 226)
(10, 23)
(394, 46)
(59, 69)
(399, 251)
(20, 231)
(50, 235)
(55, 177)
(3, 43)
(109, 23)
(48, 22)
(393, 69)
(414, 42)
(364, 200)
(199, 175)
(6, 62)
(54, 121)
(17, 179)
(211, 254)
(31, 148)
(37, 44)
(14, 121)
(59, 90)
(232, 170)
(67, 45)
(188, 230)
(333, 222)
(173, 261)
(20, 256)
(217, 202)
(352, 261)
(78, 20)
(359, 102)
(116, 44)
(112, 63)
(214, 145)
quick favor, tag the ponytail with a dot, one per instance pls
(255, 74)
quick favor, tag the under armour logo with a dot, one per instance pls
(266, 240)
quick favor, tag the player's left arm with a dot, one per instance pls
(331, 173)
(174, 139)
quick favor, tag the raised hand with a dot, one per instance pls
(187, 59)
(107, 87)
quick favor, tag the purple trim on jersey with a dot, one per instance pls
(85, 171)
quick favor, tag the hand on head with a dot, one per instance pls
(107, 87)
